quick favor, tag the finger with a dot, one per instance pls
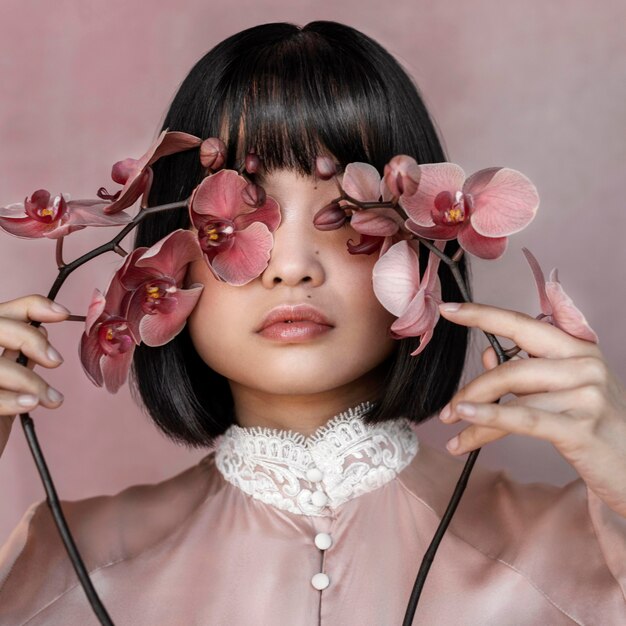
(17, 378)
(528, 376)
(12, 355)
(17, 336)
(34, 307)
(521, 420)
(12, 403)
(535, 337)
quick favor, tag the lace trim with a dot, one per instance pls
(279, 467)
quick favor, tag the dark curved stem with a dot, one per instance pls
(459, 489)
(29, 426)
(59, 252)
(59, 519)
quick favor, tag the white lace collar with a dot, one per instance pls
(313, 475)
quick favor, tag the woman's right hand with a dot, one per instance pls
(20, 388)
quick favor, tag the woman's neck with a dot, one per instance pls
(299, 413)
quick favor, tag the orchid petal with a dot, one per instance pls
(268, 214)
(220, 195)
(90, 355)
(504, 201)
(129, 275)
(173, 252)
(566, 315)
(247, 257)
(115, 369)
(173, 142)
(14, 210)
(62, 230)
(380, 222)
(482, 247)
(435, 178)
(396, 277)
(96, 307)
(361, 181)
(24, 227)
(367, 244)
(131, 191)
(424, 341)
(442, 233)
(421, 316)
(92, 213)
(159, 329)
(544, 302)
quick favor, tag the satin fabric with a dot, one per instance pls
(197, 550)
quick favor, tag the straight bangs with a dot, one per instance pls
(293, 102)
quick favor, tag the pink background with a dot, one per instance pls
(537, 86)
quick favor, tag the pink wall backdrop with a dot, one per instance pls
(537, 86)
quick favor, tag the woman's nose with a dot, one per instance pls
(294, 258)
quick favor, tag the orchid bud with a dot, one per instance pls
(122, 170)
(402, 175)
(212, 153)
(331, 217)
(252, 163)
(253, 195)
(325, 167)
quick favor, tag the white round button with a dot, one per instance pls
(314, 475)
(323, 541)
(319, 498)
(320, 581)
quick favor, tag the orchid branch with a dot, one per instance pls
(28, 424)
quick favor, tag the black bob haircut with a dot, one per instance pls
(293, 90)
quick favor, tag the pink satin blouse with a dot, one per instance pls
(273, 528)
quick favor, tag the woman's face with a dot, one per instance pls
(307, 267)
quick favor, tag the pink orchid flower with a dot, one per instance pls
(136, 174)
(362, 182)
(397, 285)
(236, 238)
(42, 215)
(480, 211)
(107, 344)
(557, 308)
(156, 307)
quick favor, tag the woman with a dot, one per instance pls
(318, 502)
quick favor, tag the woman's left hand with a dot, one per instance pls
(566, 395)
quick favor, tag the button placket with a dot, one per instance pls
(322, 541)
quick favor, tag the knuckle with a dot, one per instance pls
(593, 396)
(529, 420)
(34, 339)
(596, 369)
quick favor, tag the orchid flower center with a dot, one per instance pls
(450, 210)
(114, 336)
(159, 296)
(44, 212)
(216, 232)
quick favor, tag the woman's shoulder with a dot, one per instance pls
(539, 529)
(105, 528)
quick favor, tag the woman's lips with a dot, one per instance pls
(293, 332)
(294, 323)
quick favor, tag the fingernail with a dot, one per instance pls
(59, 308)
(54, 355)
(27, 399)
(453, 444)
(445, 412)
(466, 409)
(450, 306)
(54, 395)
